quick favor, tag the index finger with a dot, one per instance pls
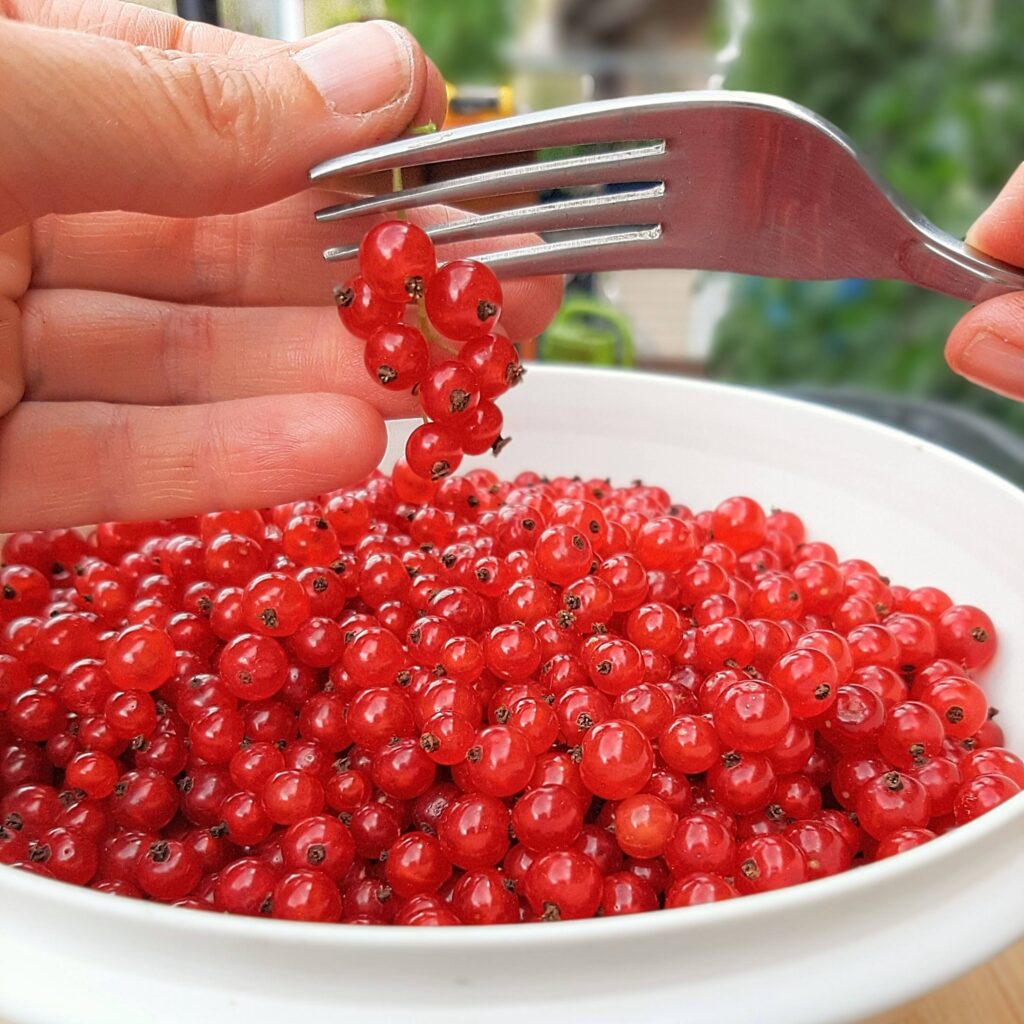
(72, 463)
(999, 231)
(265, 257)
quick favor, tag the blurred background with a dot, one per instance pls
(930, 89)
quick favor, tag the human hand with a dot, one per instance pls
(168, 342)
(987, 345)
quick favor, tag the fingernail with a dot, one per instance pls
(992, 361)
(359, 68)
(1004, 207)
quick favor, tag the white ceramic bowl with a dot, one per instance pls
(833, 950)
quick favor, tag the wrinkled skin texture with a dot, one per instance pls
(167, 340)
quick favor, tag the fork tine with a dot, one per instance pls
(589, 254)
(580, 124)
(641, 206)
(591, 169)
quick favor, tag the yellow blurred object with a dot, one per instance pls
(472, 104)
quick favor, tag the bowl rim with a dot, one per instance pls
(137, 912)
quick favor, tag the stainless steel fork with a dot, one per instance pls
(719, 180)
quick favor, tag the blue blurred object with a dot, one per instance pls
(199, 10)
(852, 289)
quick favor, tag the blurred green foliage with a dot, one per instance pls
(466, 39)
(933, 90)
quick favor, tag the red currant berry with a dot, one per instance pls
(290, 796)
(245, 886)
(402, 769)
(449, 391)
(169, 870)
(891, 802)
(397, 260)
(547, 818)
(980, 795)
(824, 849)
(397, 356)
(479, 429)
(563, 885)
(463, 300)
(363, 312)
(416, 865)
(960, 704)
(563, 554)
(140, 658)
(473, 831)
(855, 720)
(512, 651)
(643, 825)
(274, 604)
(751, 716)
(94, 773)
(904, 839)
(769, 862)
(144, 800)
(306, 896)
(243, 817)
(614, 665)
(993, 761)
(689, 745)
(625, 893)
(433, 451)
(694, 889)
(616, 759)
(500, 762)
(912, 734)
(700, 843)
(667, 543)
(253, 667)
(742, 783)
(485, 897)
(494, 363)
(965, 634)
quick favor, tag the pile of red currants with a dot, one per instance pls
(477, 701)
(458, 304)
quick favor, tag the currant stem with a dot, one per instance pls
(396, 173)
(428, 332)
(396, 186)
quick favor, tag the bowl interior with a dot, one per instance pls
(921, 515)
(918, 513)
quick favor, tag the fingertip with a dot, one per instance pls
(987, 345)
(314, 443)
(530, 305)
(72, 463)
(433, 108)
(999, 231)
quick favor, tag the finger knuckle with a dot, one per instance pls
(212, 457)
(219, 103)
(117, 456)
(214, 256)
(186, 348)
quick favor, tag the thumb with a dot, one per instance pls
(987, 345)
(91, 123)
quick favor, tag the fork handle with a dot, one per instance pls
(941, 263)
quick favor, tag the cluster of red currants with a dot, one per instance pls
(499, 701)
(459, 304)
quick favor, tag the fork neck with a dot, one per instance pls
(941, 263)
